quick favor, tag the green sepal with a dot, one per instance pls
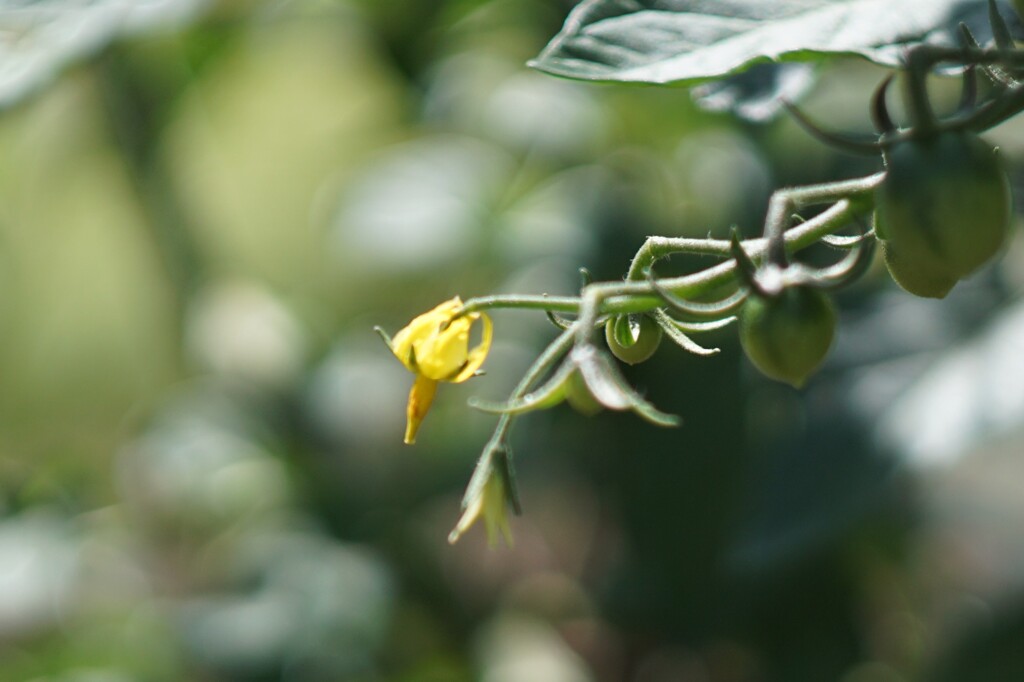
(1000, 31)
(609, 388)
(384, 335)
(714, 309)
(600, 377)
(746, 269)
(676, 334)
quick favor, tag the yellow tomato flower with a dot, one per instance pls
(435, 347)
(491, 504)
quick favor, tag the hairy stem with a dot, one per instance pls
(923, 58)
(498, 442)
(852, 198)
(656, 248)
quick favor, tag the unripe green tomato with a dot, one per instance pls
(942, 211)
(632, 338)
(579, 396)
(787, 336)
(916, 274)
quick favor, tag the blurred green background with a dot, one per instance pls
(204, 209)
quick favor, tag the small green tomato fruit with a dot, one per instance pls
(632, 338)
(787, 336)
(942, 211)
(916, 274)
(579, 397)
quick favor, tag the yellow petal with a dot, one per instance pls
(475, 358)
(422, 327)
(443, 353)
(420, 397)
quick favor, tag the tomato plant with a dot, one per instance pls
(632, 338)
(943, 210)
(788, 335)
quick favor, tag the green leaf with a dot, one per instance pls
(38, 38)
(691, 41)
(758, 94)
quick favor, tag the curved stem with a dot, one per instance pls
(922, 58)
(916, 87)
(852, 198)
(656, 248)
(556, 304)
(498, 442)
(544, 362)
(1009, 104)
(638, 297)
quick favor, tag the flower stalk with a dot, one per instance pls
(435, 346)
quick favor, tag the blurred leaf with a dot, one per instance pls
(38, 38)
(558, 217)
(200, 468)
(40, 558)
(689, 41)
(988, 653)
(515, 647)
(969, 394)
(87, 328)
(319, 608)
(811, 487)
(419, 205)
(260, 144)
(758, 93)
